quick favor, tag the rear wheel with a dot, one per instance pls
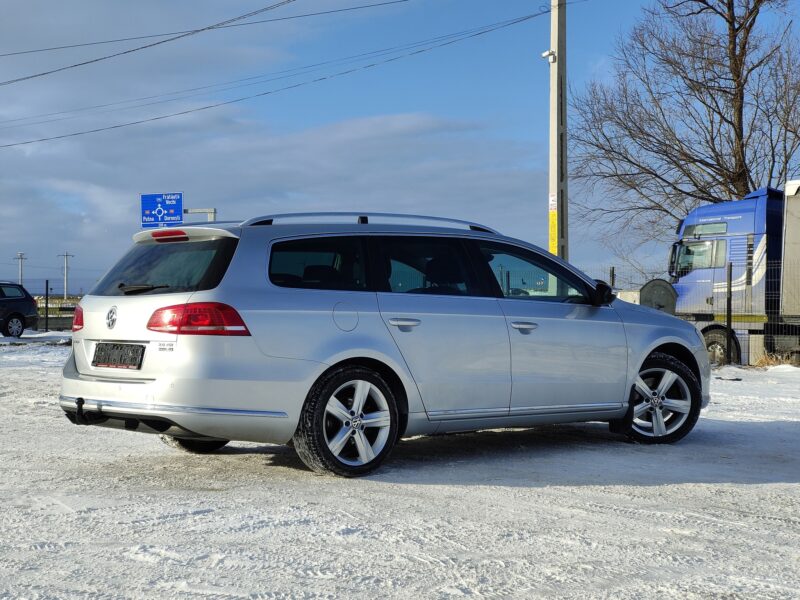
(14, 326)
(666, 402)
(717, 346)
(349, 423)
(193, 446)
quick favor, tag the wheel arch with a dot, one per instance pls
(680, 352)
(389, 374)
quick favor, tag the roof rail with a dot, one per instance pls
(363, 218)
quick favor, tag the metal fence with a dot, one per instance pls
(749, 311)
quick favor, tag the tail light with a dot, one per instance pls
(198, 318)
(77, 319)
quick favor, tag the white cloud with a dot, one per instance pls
(82, 194)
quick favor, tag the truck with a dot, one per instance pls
(757, 239)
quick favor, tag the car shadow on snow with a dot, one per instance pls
(588, 454)
(716, 452)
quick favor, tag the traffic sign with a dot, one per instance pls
(162, 210)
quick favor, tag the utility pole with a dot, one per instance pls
(19, 259)
(557, 174)
(66, 256)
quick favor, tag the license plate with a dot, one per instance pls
(118, 356)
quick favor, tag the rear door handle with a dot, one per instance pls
(524, 326)
(404, 324)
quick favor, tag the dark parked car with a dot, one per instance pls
(18, 310)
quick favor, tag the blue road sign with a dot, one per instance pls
(162, 210)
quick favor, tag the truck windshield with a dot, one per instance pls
(689, 256)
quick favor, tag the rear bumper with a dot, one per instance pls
(229, 409)
(149, 418)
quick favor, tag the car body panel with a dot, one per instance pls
(253, 387)
(576, 356)
(458, 353)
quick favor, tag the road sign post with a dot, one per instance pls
(162, 210)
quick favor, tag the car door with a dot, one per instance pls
(450, 331)
(566, 355)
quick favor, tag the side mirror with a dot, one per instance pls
(603, 294)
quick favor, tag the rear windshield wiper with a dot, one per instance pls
(129, 289)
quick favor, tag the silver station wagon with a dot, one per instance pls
(342, 333)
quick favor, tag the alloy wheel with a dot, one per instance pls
(663, 402)
(15, 327)
(357, 422)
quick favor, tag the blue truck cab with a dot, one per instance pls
(760, 236)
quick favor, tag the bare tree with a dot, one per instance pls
(701, 105)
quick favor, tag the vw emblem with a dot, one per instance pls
(111, 317)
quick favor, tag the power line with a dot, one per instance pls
(233, 84)
(158, 43)
(53, 268)
(484, 31)
(157, 35)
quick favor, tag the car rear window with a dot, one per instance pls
(332, 263)
(167, 268)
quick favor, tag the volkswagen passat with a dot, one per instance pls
(344, 333)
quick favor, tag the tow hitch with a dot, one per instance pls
(84, 418)
(80, 417)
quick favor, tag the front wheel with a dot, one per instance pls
(349, 423)
(666, 401)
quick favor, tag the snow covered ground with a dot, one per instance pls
(569, 511)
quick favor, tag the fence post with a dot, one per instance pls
(612, 276)
(508, 283)
(47, 305)
(728, 316)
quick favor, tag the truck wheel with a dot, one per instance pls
(348, 424)
(666, 402)
(717, 344)
(193, 446)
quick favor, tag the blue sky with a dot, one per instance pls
(460, 131)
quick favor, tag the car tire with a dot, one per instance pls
(194, 446)
(717, 345)
(14, 326)
(665, 402)
(348, 424)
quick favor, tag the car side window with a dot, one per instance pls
(325, 263)
(525, 275)
(11, 291)
(424, 265)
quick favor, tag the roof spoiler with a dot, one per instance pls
(181, 234)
